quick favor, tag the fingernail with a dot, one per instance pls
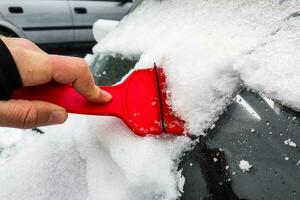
(57, 117)
(106, 96)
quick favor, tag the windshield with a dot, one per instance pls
(250, 153)
(108, 69)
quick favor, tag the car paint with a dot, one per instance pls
(8, 26)
(55, 21)
(95, 10)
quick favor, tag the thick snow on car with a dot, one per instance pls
(232, 71)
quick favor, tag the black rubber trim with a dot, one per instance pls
(160, 100)
(53, 28)
(10, 79)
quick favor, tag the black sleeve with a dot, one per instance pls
(10, 79)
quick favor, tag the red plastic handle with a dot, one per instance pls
(135, 101)
(67, 97)
(140, 101)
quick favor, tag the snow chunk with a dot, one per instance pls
(181, 180)
(286, 158)
(290, 143)
(244, 165)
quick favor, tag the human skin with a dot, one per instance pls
(36, 67)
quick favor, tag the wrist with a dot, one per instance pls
(10, 79)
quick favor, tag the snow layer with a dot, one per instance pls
(105, 162)
(208, 50)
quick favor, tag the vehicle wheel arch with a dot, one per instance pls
(11, 29)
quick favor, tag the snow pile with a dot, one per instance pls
(70, 162)
(244, 166)
(208, 50)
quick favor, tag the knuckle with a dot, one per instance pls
(19, 114)
(83, 65)
(47, 70)
(49, 61)
(28, 117)
(25, 116)
(90, 94)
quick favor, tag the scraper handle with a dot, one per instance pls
(67, 97)
(140, 101)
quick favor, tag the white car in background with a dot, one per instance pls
(57, 21)
(224, 62)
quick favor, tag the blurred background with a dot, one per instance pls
(59, 26)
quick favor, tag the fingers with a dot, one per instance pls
(79, 75)
(36, 68)
(30, 114)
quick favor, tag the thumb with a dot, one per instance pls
(30, 114)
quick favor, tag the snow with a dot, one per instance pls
(286, 158)
(106, 26)
(290, 143)
(8, 137)
(244, 166)
(181, 181)
(80, 164)
(206, 61)
(209, 50)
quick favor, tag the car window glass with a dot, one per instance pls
(257, 130)
(108, 69)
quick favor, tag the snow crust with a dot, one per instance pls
(209, 50)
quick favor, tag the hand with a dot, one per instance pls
(36, 67)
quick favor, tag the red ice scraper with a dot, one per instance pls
(140, 101)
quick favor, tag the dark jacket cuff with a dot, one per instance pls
(10, 79)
